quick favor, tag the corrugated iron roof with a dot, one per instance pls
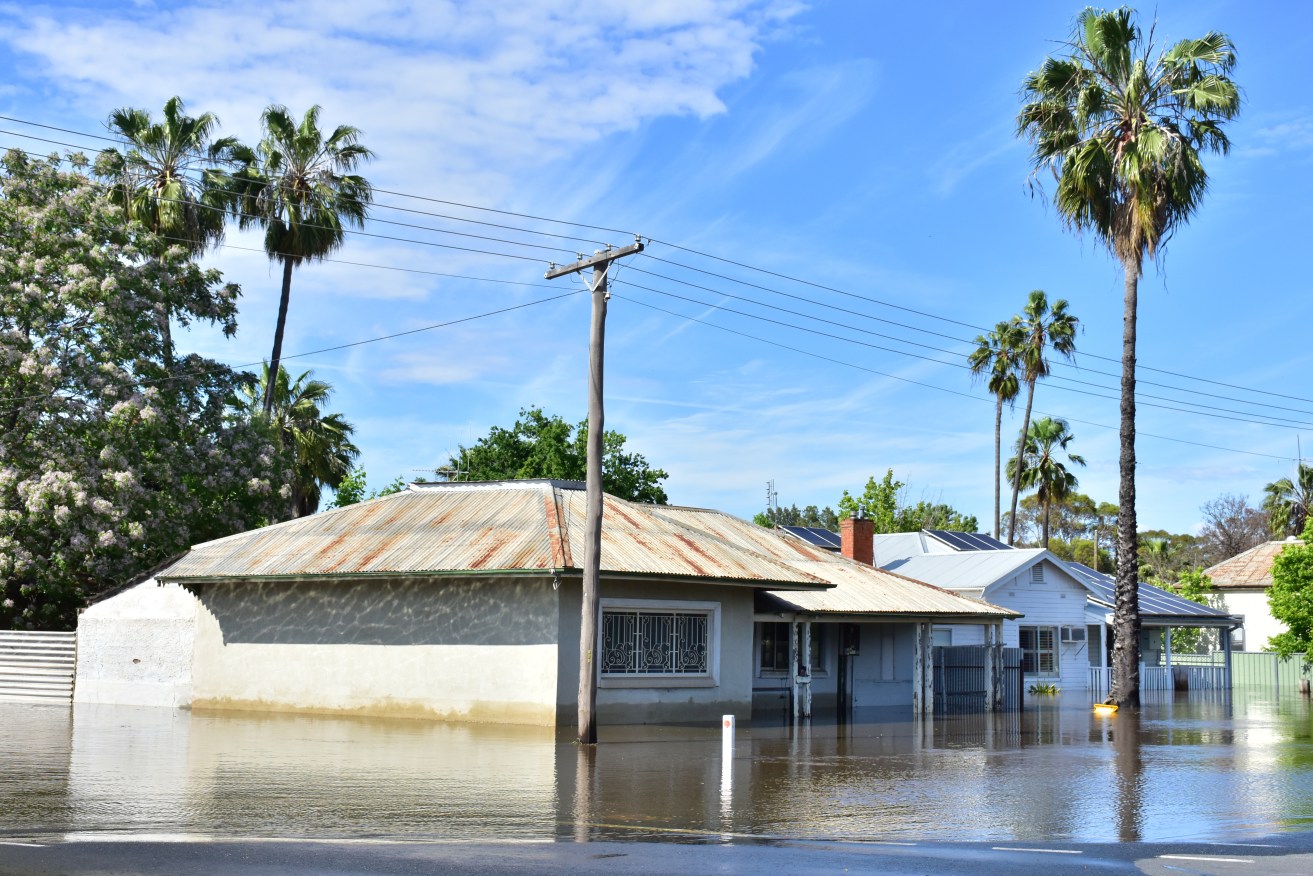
(504, 526)
(859, 588)
(539, 526)
(1253, 568)
(967, 570)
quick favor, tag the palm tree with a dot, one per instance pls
(1041, 327)
(1122, 126)
(170, 177)
(998, 354)
(1288, 502)
(300, 187)
(1041, 470)
(320, 443)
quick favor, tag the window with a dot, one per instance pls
(653, 642)
(1039, 652)
(773, 648)
(941, 637)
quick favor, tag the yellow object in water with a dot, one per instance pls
(1104, 709)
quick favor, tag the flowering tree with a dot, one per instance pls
(109, 462)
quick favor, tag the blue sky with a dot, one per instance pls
(864, 147)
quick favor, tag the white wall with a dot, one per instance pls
(1058, 601)
(1259, 623)
(136, 648)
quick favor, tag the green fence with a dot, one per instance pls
(1255, 669)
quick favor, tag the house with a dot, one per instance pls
(462, 601)
(1243, 581)
(1065, 634)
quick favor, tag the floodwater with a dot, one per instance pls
(1185, 770)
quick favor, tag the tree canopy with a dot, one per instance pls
(883, 502)
(109, 462)
(1291, 597)
(542, 446)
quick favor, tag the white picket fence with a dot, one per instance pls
(36, 667)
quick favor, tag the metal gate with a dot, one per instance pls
(960, 683)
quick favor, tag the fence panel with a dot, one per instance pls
(960, 682)
(36, 667)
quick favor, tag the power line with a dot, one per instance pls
(977, 398)
(954, 364)
(724, 260)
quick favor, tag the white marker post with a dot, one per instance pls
(727, 772)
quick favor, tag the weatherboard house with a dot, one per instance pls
(1065, 626)
(462, 602)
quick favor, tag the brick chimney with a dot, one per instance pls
(857, 534)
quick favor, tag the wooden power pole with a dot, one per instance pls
(600, 262)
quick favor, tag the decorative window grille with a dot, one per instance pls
(1039, 650)
(655, 642)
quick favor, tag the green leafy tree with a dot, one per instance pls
(935, 515)
(879, 503)
(319, 442)
(172, 177)
(109, 462)
(1041, 469)
(352, 489)
(301, 188)
(1288, 501)
(998, 354)
(1040, 327)
(539, 446)
(1195, 586)
(823, 518)
(1291, 597)
(1121, 126)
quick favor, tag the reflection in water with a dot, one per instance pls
(1182, 770)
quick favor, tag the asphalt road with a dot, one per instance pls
(1279, 855)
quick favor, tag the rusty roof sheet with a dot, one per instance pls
(1253, 568)
(503, 526)
(859, 588)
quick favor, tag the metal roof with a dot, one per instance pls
(968, 570)
(1253, 568)
(859, 588)
(1154, 601)
(512, 526)
(538, 526)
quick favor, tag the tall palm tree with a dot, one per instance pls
(1042, 471)
(320, 443)
(998, 354)
(1041, 327)
(300, 187)
(1289, 502)
(171, 177)
(1122, 126)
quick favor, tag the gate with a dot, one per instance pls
(960, 683)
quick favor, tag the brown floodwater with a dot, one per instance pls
(1193, 769)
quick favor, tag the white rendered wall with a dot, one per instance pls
(1259, 623)
(136, 648)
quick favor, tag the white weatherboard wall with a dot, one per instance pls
(461, 649)
(136, 648)
(1057, 601)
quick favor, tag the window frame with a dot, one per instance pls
(1038, 651)
(709, 678)
(820, 637)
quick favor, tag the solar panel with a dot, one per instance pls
(816, 535)
(968, 541)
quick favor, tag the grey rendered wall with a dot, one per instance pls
(655, 702)
(477, 649)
